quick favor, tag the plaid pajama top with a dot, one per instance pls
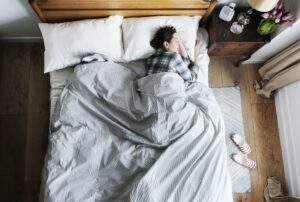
(164, 61)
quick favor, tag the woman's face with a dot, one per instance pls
(173, 45)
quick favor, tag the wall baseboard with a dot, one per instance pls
(24, 39)
(253, 62)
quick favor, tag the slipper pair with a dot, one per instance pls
(243, 146)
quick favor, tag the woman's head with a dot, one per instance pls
(166, 38)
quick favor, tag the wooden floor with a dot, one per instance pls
(24, 117)
(260, 124)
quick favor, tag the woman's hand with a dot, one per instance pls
(197, 51)
(182, 50)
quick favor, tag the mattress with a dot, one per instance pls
(59, 78)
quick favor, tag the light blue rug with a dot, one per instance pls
(229, 100)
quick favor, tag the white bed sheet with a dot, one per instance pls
(59, 78)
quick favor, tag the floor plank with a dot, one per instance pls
(31, 191)
(252, 73)
(14, 68)
(231, 75)
(267, 143)
(215, 72)
(13, 129)
(250, 135)
(248, 128)
(38, 115)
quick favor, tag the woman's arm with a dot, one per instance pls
(192, 71)
(183, 70)
(197, 52)
(182, 50)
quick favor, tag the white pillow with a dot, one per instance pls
(138, 32)
(66, 43)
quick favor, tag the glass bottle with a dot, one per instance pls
(242, 20)
(227, 12)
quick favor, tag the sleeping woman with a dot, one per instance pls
(170, 55)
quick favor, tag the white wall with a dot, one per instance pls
(18, 20)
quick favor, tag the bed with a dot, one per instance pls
(119, 135)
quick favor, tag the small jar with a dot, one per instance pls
(227, 12)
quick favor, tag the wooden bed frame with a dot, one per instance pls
(67, 10)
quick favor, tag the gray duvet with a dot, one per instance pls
(119, 138)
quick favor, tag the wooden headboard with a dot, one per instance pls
(67, 10)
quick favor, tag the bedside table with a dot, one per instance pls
(222, 42)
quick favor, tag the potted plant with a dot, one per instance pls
(272, 19)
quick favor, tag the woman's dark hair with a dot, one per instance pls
(162, 35)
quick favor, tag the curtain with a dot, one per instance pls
(273, 191)
(279, 71)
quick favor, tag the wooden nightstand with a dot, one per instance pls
(222, 42)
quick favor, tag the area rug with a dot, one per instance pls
(229, 100)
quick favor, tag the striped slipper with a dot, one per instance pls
(241, 143)
(244, 161)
